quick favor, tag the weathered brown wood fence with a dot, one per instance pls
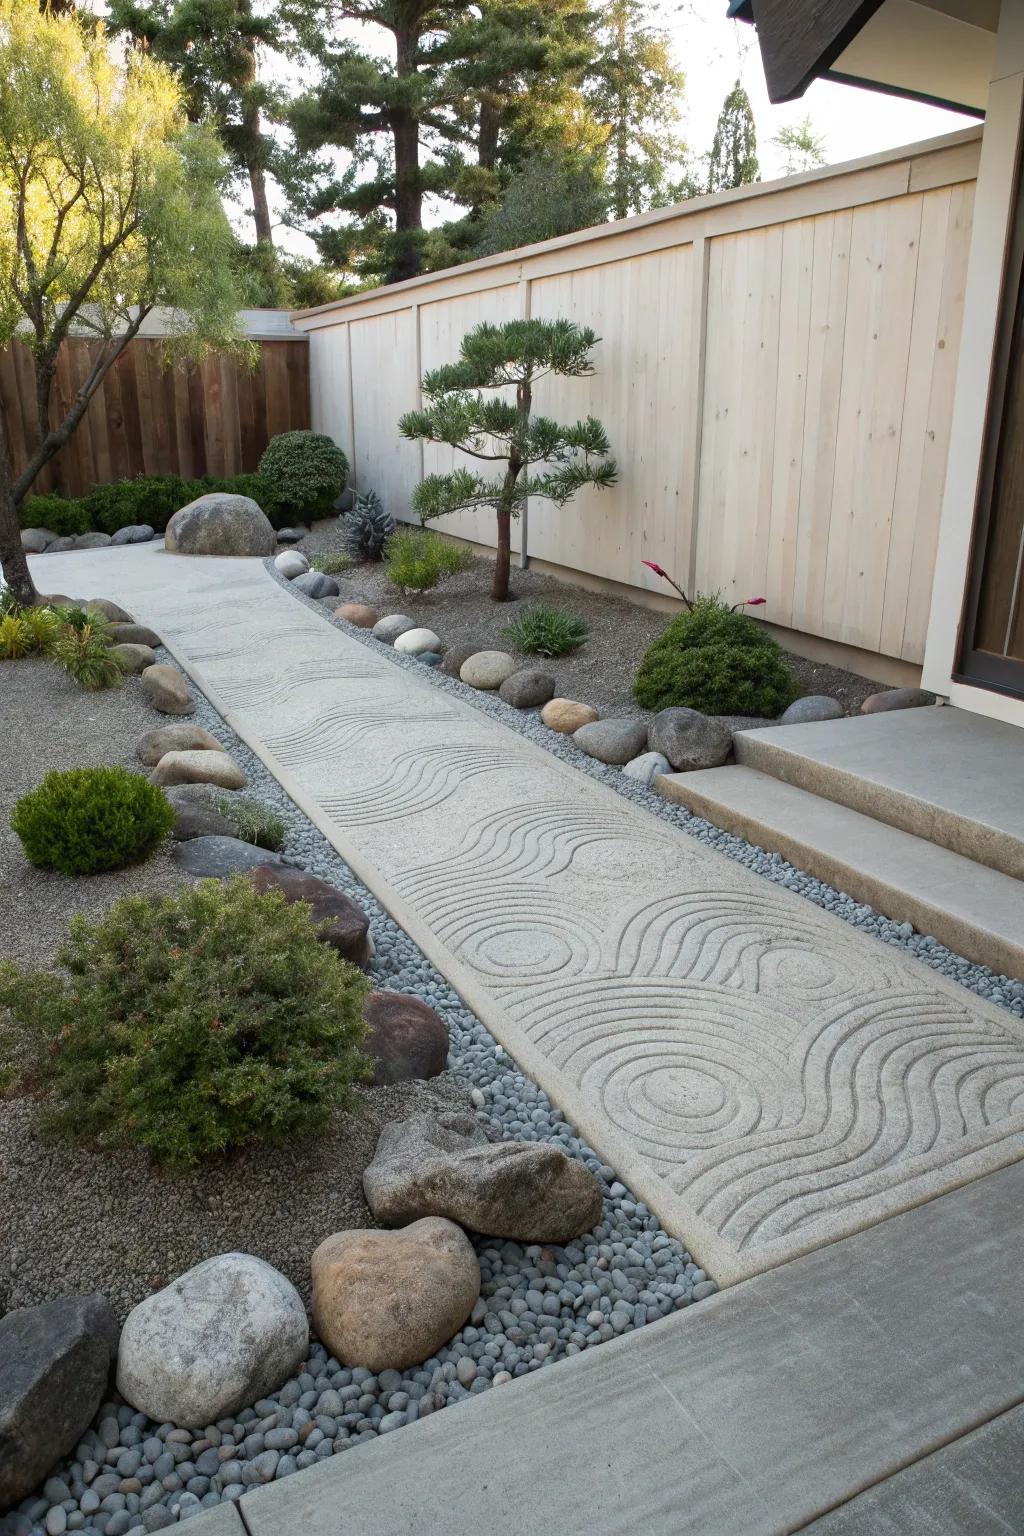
(215, 418)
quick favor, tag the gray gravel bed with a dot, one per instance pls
(995, 988)
(537, 1305)
(600, 673)
(47, 721)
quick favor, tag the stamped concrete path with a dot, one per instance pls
(764, 1075)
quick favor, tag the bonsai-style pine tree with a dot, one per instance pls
(493, 429)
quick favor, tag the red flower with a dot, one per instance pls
(755, 602)
(653, 566)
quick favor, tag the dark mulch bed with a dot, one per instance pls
(599, 674)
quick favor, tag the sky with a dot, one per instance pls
(712, 52)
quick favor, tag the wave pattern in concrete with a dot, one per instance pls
(763, 1074)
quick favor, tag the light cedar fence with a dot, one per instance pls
(215, 418)
(775, 373)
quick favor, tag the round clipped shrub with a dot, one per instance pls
(717, 661)
(305, 471)
(190, 1025)
(83, 821)
(66, 518)
(718, 679)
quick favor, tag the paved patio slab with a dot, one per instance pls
(765, 1076)
(749, 1415)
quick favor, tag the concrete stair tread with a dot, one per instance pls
(976, 911)
(954, 778)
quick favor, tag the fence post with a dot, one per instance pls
(524, 521)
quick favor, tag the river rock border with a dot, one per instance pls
(1002, 990)
(537, 1305)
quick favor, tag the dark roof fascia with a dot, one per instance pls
(774, 34)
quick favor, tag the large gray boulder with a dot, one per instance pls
(387, 1300)
(689, 739)
(612, 741)
(35, 540)
(54, 1365)
(220, 523)
(445, 1165)
(220, 1336)
(218, 858)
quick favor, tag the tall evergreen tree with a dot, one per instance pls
(213, 46)
(465, 91)
(636, 96)
(733, 158)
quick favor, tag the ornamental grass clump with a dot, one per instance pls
(717, 660)
(190, 1025)
(416, 561)
(545, 632)
(83, 821)
(253, 821)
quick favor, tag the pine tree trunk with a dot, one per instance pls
(502, 557)
(408, 191)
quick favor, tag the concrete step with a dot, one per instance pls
(943, 774)
(976, 911)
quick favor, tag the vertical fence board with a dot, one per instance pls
(147, 419)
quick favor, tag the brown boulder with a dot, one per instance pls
(407, 1039)
(174, 738)
(167, 690)
(199, 767)
(359, 614)
(388, 1300)
(897, 698)
(566, 716)
(346, 925)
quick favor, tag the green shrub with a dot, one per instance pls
(716, 660)
(253, 821)
(86, 820)
(546, 632)
(417, 560)
(367, 528)
(43, 625)
(151, 499)
(719, 679)
(306, 471)
(332, 564)
(64, 517)
(190, 1025)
